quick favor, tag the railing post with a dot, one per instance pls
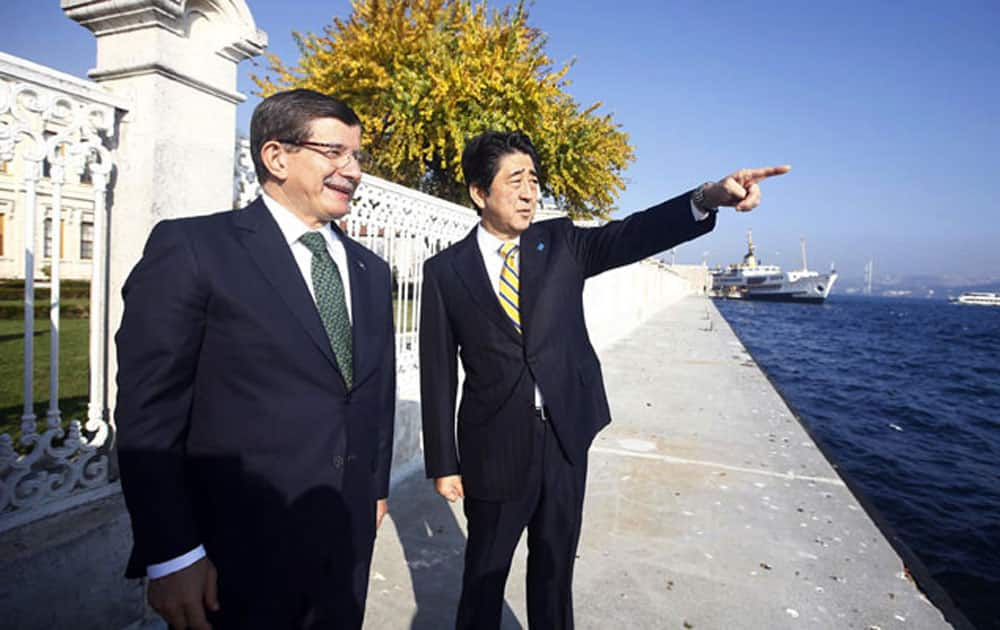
(98, 403)
(32, 172)
(55, 275)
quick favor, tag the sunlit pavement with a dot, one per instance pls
(708, 506)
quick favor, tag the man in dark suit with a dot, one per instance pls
(509, 299)
(256, 391)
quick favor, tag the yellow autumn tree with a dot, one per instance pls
(425, 75)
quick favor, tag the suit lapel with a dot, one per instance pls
(364, 313)
(267, 247)
(535, 249)
(469, 267)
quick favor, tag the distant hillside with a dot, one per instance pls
(921, 286)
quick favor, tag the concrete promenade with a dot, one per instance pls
(708, 506)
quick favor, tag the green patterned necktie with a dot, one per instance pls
(329, 290)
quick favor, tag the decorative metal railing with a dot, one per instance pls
(405, 227)
(56, 134)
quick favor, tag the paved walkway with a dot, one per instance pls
(708, 506)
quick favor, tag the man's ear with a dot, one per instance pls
(275, 159)
(478, 196)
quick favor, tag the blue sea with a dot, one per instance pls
(903, 395)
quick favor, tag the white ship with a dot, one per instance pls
(981, 298)
(750, 280)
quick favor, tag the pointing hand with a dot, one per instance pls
(741, 190)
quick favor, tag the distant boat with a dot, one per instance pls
(981, 298)
(752, 281)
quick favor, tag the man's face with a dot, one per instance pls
(316, 186)
(509, 205)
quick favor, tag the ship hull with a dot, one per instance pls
(978, 298)
(785, 297)
(809, 289)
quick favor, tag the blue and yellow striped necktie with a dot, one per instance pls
(509, 284)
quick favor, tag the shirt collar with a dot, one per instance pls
(489, 244)
(292, 228)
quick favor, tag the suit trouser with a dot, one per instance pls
(551, 508)
(323, 584)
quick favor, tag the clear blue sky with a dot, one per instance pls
(889, 113)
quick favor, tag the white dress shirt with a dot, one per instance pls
(292, 228)
(699, 215)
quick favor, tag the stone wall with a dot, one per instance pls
(66, 571)
(618, 301)
(697, 276)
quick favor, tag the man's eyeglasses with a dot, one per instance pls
(336, 153)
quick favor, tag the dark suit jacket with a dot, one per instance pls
(460, 315)
(235, 427)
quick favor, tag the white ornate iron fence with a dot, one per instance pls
(57, 137)
(405, 227)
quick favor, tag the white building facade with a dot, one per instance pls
(75, 239)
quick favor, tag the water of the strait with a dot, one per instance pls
(904, 396)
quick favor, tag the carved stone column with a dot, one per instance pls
(174, 61)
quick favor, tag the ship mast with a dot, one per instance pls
(750, 260)
(805, 267)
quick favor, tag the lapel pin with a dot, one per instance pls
(362, 265)
(541, 246)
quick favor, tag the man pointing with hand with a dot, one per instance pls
(509, 298)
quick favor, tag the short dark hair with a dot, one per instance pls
(482, 154)
(287, 115)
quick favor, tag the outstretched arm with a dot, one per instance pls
(668, 224)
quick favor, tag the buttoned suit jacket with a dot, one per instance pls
(235, 427)
(461, 317)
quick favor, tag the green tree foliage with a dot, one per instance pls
(424, 75)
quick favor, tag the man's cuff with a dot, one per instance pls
(699, 214)
(162, 569)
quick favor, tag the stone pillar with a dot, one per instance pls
(174, 62)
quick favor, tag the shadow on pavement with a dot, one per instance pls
(434, 545)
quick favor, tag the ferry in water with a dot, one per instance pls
(750, 280)
(981, 298)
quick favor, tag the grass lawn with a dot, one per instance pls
(410, 318)
(74, 378)
(72, 308)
